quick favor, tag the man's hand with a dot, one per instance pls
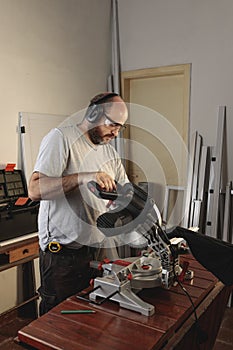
(104, 180)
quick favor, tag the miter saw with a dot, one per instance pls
(136, 220)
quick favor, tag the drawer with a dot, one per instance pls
(23, 252)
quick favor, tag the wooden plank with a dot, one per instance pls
(96, 331)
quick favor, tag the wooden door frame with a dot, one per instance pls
(180, 69)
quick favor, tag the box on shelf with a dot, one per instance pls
(18, 214)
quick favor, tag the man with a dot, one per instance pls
(70, 156)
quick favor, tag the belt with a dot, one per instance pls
(56, 247)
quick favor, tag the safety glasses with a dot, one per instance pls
(111, 124)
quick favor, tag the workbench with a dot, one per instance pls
(21, 252)
(171, 327)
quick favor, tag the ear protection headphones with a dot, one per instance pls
(95, 109)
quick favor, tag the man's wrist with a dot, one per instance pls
(84, 178)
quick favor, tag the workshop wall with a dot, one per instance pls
(54, 56)
(162, 32)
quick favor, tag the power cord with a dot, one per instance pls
(202, 336)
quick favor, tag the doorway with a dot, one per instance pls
(157, 135)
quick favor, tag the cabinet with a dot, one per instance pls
(21, 252)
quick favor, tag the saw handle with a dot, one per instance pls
(101, 193)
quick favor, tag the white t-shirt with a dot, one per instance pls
(71, 218)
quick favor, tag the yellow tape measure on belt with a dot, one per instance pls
(54, 247)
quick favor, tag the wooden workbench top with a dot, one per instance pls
(115, 328)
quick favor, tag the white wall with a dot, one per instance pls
(54, 56)
(157, 33)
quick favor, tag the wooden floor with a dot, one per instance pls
(225, 335)
(8, 332)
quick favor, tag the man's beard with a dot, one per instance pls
(95, 136)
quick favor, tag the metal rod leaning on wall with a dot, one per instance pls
(227, 229)
(219, 171)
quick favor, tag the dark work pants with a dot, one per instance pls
(63, 274)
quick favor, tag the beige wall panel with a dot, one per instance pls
(159, 100)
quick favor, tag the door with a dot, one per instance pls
(158, 131)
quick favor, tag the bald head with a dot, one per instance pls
(116, 109)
